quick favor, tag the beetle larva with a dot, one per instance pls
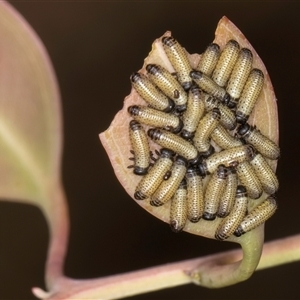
(213, 193)
(168, 187)
(239, 75)
(224, 139)
(193, 113)
(179, 60)
(168, 84)
(226, 63)
(228, 198)
(261, 143)
(156, 118)
(250, 94)
(229, 224)
(227, 157)
(209, 86)
(257, 216)
(150, 93)
(176, 143)
(209, 59)
(227, 115)
(203, 132)
(264, 173)
(141, 149)
(248, 178)
(178, 209)
(151, 181)
(195, 199)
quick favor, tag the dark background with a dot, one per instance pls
(94, 47)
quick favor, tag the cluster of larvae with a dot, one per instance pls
(199, 119)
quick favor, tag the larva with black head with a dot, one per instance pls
(150, 93)
(176, 143)
(226, 63)
(168, 85)
(262, 143)
(239, 75)
(193, 113)
(195, 195)
(248, 178)
(167, 188)
(228, 225)
(179, 61)
(155, 118)
(141, 149)
(249, 96)
(209, 86)
(155, 176)
(264, 173)
(224, 139)
(203, 132)
(209, 59)
(228, 157)
(213, 193)
(227, 115)
(178, 209)
(228, 197)
(259, 215)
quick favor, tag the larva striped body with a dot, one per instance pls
(151, 181)
(213, 193)
(150, 93)
(155, 118)
(176, 143)
(167, 188)
(195, 196)
(229, 224)
(265, 174)
(239, 75)
(249, 96)
(228, 198)
(226, 63)
(261, 143)
(249, 179)
(209, 59)
(224, 139)
(178, 209)
(140, 146)
(227, 115)
(193, 113)
(209, 86)
(179, 60)
(257, 216)
(168, 85)
(203, 132)
(227, 157)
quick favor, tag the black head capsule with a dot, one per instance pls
(178, 58)
(140, 146)
(226, 63)
(175, 143)
(168, 85)
(261, 142)
(249, 96)
(209, 86)
(209, 59)
(195, 195)
(167, 188)
(150, 93)
(151, 181)
(259, 215)
(155, 118)
(178, 209)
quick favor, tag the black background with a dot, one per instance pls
(94, 47)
